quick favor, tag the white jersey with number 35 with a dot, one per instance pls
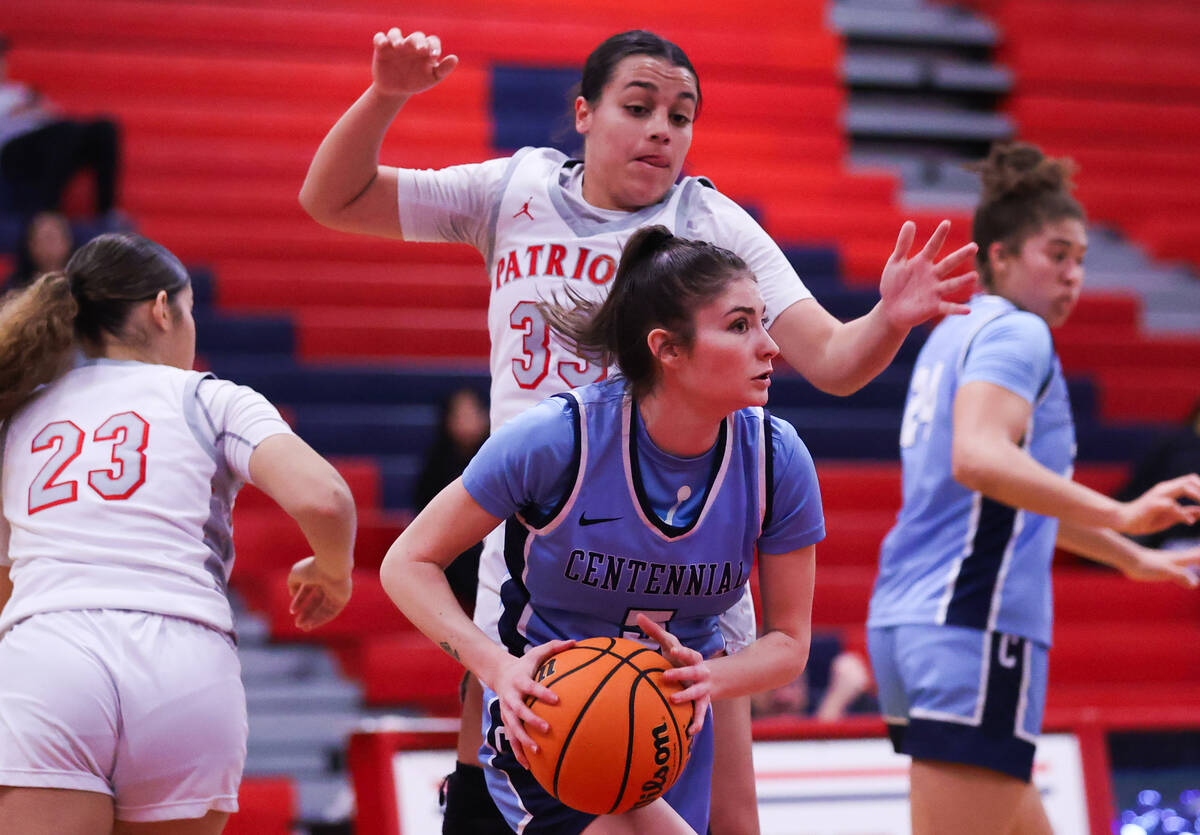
(538, 236)
(118, 485)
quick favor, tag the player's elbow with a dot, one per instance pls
(329, 501)
(969, 466)
(315, 207)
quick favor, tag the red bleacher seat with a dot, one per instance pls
(265, 807)
(406, 668)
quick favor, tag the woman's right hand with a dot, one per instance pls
(512, 683)
(404, 66)
(1159, 508)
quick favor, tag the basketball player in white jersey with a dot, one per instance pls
(121, 703)
(545, 223)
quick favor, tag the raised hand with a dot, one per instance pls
(914, 290)
(690, 670)
(405, 66)
(317, 597)
(1159, 508)
(513, 683)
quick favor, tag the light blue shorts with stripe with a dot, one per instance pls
(956, 694)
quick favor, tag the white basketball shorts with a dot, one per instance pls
(145, 708)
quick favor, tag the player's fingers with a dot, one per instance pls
(697, 671)
(543, 693)
(394, 37)
(417, 41)
(515, 727)
(958, 286)
(700, 711)
(904, 242)
(379, 40)
(691, 694)
(952, 309)
(445, 67)
(934, 245)
(540, 653)
(668, 644)
(300, 597)
(1186, 557)
(435, 45)
(955, 259)
(1185, 577)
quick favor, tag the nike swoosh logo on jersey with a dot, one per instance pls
(584, 520)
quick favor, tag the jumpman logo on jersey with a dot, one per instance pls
(525, 209)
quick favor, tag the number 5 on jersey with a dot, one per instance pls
(127, 432)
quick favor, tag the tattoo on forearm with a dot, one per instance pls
(451, 651)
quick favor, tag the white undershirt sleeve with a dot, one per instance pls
(449, 205)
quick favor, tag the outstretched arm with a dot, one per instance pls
(840, 358)
(989, 422)
(346, 188)
(1133, 560)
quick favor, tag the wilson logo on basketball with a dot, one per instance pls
(657, 784)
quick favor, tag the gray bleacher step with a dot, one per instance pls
(282, 662)
(314, 695)
(295, 764)
(970, 77)
(252, 628)
(867, 68)
(328, 798)
(287, 730)
(1173, 322)
(915, 121)
(913, 24)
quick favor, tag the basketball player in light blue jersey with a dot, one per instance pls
(636, 507)
(960, 619)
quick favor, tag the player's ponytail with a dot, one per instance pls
(1023, 190)
(37, 330)
(85, 304)
(660, 283)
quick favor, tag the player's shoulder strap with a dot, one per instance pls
(768, 442)
(543, 520)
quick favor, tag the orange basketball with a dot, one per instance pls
(616, 741)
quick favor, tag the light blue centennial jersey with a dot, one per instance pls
(955, 557)
(602, 556)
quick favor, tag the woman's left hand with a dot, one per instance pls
(1173, 566)
(317, 597)
(915, 290)
(691, 670)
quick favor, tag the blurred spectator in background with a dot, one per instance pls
(835, 682)
(1176, 453)
(461, 429)
(45, 245)
(41, 149)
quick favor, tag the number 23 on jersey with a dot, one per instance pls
(128, 435)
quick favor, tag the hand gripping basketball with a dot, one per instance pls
(616, 739)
